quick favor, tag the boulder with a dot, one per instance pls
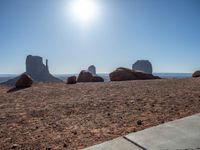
(143, 65)
(196, 74)
(97, 79)
(123, 74)
(85, 76)
(92, 69)
(71, 80)
(24, 81)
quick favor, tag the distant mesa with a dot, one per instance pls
(196, 74)
(92, 69)
(36, 70)
(124, 74)
(143, 65)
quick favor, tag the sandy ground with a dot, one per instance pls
(60, 116)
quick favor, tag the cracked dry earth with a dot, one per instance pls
(60, 116)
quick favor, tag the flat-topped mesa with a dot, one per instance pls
(35, 66)
(143, 65)
(92, 69)
(37, 70)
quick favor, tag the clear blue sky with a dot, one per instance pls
(166, 32)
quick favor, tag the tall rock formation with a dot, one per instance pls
(92, 69)
(143, 65)
(36, 70)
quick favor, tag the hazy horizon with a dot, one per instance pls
(121, 32)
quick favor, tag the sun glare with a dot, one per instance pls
(84, 11)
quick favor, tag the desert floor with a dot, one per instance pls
(60, 116)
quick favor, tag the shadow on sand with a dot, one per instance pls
(15, 89)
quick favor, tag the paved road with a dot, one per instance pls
(182, 134)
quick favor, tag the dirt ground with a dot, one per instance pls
(60, 116)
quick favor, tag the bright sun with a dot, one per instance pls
(84, 11)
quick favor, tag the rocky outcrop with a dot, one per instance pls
(71, 80)
(123, 74)
(196, 74)
(143, 65)
(86, 76)
(92, 69)
(24, 81)
(36, 70)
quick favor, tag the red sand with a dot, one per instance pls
(60, 116)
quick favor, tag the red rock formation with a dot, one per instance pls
(85, 76)
(123, 74)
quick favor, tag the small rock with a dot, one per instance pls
(65, 145)
(163, 121)
(14, 146)
(74, 132)
(139, 122)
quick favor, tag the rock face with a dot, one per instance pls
(71, 80)
(37, 70)
(86, 76)
(196, 74)
(143, 65)
(92, 69)
(24, 81)
(123, 74)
